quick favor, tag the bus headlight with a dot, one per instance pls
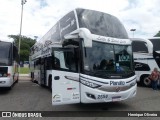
(133, 83)
(3, 82)
(4, 75)
(90, 84)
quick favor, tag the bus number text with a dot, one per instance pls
(102, 96)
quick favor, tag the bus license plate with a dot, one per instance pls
(102, 96)
(116, 98)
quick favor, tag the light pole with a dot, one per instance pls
(19, 47)
(133, 30)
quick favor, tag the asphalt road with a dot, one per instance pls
(28, 96)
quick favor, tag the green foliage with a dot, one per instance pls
(24, 70)
(158, 34)
(26, 44)
(24, 55)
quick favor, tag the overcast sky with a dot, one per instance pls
(40, 15)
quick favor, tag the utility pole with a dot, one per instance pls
(19, 47)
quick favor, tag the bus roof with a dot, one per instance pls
(96, 22)
(8, 40)
(152, 38)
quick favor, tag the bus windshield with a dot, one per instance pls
(101, 23)
(156, 43)
(5, 53)
(104, 60)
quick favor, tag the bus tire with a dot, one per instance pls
(32, 77)
(145, 81)
(17, 79)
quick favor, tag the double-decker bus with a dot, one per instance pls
(146, 57)
(86, 57)
(8, 64)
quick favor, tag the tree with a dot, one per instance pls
(158, 34)
(26, 44)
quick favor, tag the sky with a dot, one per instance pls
(40, 15)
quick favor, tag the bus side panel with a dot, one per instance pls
(15, 71)
(37, 76)
(65, 87)
(6, 77)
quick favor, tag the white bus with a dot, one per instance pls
(156, 44)
(85, 58)
(146, 58)
(8, 64)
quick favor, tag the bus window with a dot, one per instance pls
(64, 60)
(139, 46)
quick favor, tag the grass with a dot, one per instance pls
(24, 70)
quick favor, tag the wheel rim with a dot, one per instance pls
(147, 82)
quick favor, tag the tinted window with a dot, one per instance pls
(123, 55)
(5, 53)
(67, 24)
(102, 60)
(156, 44)
(64, 60)
(101, 23)
(141, 66)
(15, 54)
(139, 46)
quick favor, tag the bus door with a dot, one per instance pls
(42, 72)
(65, 77)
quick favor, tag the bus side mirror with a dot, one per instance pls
(86, 34)
(82, 33)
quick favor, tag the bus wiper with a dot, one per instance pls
(103, 73)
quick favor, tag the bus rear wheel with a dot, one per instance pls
(146, 81)
(17, 79)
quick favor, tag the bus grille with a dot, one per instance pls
(114, 89)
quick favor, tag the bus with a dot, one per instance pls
(8, 64)
(86, 57)
(156, 44)
(146, 57)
